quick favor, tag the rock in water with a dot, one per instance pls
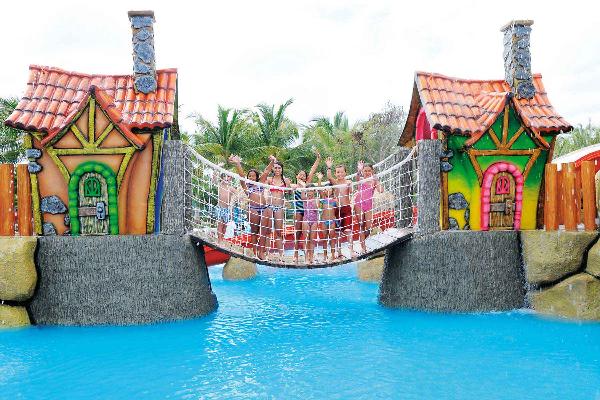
(238, 269)
(13, 316)
(549, 256)
(593, 261)
(371, 270)
(17, 268)
(576, 297)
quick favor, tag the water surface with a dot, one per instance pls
(307, 334)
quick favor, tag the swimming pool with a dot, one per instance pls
(307, 334)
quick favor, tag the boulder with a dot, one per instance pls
(18, 276)
(13, 316)
(371, 270)
(238, 269)
(551, 255)
(593, 261)
(576, 297)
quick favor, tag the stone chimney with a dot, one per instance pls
(144, 68)
(517, 58)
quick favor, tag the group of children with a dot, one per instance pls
(332, 209)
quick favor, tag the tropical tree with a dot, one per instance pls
(275, 132)
(11, 140)
(581, 136)
(228, 136)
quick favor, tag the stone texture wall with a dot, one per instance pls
(428, 201)
(18, 278)
(175, 206)
(455, 271)
(563, 273)
(120, 280)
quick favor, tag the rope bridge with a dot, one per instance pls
(303, 227)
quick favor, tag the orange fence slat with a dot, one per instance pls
(551, 198)
(24, 212)
(7, 199)
(570, 210)
(589, 195)
(560, 209)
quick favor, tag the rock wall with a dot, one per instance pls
(92, 280)
(563, 273)
(18, 278)
(455, 271)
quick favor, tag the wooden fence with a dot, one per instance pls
(570, 196)
(22, 213)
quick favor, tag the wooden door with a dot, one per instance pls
(93, 204)
(502, 201)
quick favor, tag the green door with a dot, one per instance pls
(93, 200)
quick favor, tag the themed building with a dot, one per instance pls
(94, 142)
(497, 136)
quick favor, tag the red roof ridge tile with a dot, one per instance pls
(453, 78)
(84, 75)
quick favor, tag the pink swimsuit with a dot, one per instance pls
(311, 211)
(364, 197)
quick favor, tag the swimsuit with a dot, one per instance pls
(364, 197)
(344, 217)
(277, 188)
(257, 209)
(298, 203)
(222, 214)
(311, 211)
(255, 189)
(329, 222)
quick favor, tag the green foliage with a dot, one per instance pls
(11, 140)
(267, 131)
(581, 136)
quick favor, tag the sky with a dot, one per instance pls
(329, 56)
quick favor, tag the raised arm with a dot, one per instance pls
(314, 167)
(268, 169)
(237, 162)
(330, 178)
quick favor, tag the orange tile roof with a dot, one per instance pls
(55, 96)
(470, 107)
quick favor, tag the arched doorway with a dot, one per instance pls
(93, 200)
(501, 197)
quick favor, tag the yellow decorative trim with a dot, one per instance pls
(27, 142)
(35, 203)
(53, 153)
(124, 164)
(79, 136)
(62, 133)
(156, 144)
(104, 134)
(115, 126)
(92, 120)
(94, 150)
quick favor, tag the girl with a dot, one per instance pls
(363, 202)
(256, 200)
(329, 222)
(310, 222)
(301, 180)
(275, 212)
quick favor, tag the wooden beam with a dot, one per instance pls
(569, 195)
(7, 200)
(24, 210)
(588, 185)
(551, 198)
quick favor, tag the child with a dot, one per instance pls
(302, 179)
(310, 223)
(342, 193)
(328, 219)
(222, 211)
(363, 202)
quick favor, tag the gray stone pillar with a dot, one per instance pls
(428, 201)
(176, 205)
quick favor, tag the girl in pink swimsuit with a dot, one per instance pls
(363, 202)
(310, 223)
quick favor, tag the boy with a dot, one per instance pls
(344, 208)
(222, 211)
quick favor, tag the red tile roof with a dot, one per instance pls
(470, 107)
(55, 96)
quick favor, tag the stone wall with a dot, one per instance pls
(120, 280)
(563, 273)
(455, 271)
(18, 278)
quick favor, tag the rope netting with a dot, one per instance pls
(279, 221)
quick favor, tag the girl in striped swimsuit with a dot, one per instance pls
(301, 181)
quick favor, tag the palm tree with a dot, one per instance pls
(11, 140)
(227, 137)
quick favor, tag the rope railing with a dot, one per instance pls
(296, 226)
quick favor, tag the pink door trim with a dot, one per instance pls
(486, 188)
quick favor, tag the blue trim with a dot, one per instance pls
(159, 187)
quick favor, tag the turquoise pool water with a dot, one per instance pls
(307, 335)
